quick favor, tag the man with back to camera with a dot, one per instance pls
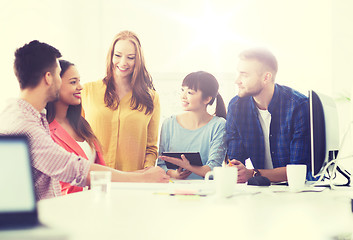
(38, 71)
(266, 122)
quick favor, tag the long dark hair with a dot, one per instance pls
(208, 85)
(77, 122)
(141, 81)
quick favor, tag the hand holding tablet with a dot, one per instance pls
(173, 160)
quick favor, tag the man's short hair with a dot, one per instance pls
(264, 56)
(32, 61)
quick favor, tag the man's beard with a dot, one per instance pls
(55, 96)
(252, 93)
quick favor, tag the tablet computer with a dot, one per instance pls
(193, 157)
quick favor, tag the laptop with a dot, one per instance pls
(18, 205)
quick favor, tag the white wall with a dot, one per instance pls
(311, 39)
(342, 77)
(178, 37)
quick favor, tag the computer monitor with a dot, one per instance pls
(324, 131)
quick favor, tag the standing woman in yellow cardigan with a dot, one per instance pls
(123, 109)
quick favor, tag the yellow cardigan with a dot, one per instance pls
(128, 137)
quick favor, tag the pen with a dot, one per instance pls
(187, 194)
(180, 194)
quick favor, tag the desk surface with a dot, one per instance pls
(146, 211)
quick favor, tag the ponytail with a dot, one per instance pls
(220, 107)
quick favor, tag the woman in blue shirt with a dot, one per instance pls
(195, 130)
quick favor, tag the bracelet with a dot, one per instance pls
(256, 173)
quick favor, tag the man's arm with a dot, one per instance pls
(299, 148)
(274, 175)
(300, 142)
(235, 147)
(153, 174)
(56, 162)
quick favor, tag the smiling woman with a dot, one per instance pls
(67, 127)
(124, 62)
(123, 108)
(195, 130)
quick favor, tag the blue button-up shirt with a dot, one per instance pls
(289, 129)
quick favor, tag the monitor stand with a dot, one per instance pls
(344, 173)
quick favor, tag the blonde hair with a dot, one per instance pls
(264, 56)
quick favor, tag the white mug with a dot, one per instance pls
(225, 180)
(296, 175)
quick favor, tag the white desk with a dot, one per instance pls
(135, 211)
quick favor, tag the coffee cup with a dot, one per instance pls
(296, 175)
(225, 179)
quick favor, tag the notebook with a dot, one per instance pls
(18, 205)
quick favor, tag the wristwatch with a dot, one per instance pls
(256, 172)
